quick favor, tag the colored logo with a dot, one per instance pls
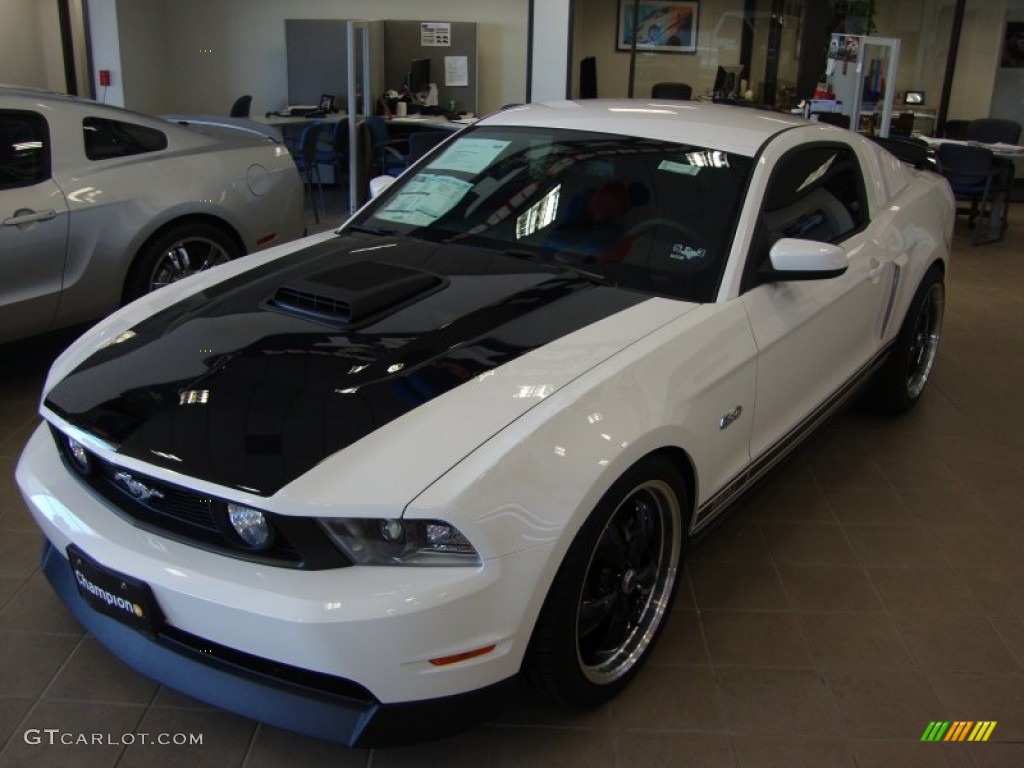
(958, 730)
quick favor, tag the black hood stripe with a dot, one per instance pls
(229, 388)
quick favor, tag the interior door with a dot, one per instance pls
(33, 227)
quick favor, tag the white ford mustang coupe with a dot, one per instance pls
(360, 485)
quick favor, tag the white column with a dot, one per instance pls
(550, 36)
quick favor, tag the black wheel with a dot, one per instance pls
(898, 385)
(614, 589)
(176, 253)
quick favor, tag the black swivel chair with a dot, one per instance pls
(241, 106)
(421, 142)
(955, 129)
(973, 175)
(993, 130)
(680, 91)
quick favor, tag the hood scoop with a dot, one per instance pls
(355, 293)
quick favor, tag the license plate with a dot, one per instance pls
(113, 594)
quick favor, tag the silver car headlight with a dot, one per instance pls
(400, 542)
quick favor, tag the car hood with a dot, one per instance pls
(255, 380)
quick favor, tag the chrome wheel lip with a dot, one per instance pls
(652, 613)
(186, 257)
(924, 344)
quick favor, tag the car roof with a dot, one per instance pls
(36, 95)
(719, 126)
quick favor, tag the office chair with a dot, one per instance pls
(973, 175)
(955, 129)
(241, 106)
(421, 142)
(309, 167)
(390, 155)
(993, 130)
(680, 91)
(902, 124)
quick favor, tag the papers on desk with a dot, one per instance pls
(998, 148)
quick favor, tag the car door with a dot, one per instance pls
(33, 226)
(814, 336)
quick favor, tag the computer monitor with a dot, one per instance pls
(419, 75)
(727, 82)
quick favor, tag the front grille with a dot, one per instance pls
(181, 513)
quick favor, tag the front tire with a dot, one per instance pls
(901, 381)
(177, 252)
(614, 590)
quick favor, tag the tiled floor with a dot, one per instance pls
(875, 584)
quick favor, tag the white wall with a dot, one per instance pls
(30, 48)
(142, 34)
(198, 56)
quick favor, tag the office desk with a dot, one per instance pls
(1008, 151)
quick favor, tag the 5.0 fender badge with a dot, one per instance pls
(730, 417)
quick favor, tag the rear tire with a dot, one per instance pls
(901, 381)
(613, 591)
(181, 250)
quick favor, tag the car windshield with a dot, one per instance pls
(640, 213)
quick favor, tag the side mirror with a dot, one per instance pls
(793, 259)
(379, 183)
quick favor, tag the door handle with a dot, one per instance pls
(25, 216)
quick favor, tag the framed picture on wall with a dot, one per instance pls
(664, 26)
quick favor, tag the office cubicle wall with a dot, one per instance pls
(317, 52)
(408, 40)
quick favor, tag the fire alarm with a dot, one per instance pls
(104, 77)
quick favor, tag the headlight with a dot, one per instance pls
(400, 542)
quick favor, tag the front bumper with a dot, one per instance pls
(340, 654)
(358, 721)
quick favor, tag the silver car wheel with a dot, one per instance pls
(186, 257)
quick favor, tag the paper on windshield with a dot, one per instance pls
(424, 200)
(469, 155)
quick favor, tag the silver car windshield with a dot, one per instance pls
(639, 213)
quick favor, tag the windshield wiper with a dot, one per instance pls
(371, 230)
(594, 277)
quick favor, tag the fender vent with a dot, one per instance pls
(356, 292)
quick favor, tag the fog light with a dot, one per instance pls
(392, 530)
(79, 456)
(250, 524)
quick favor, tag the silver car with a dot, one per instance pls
(100, 205)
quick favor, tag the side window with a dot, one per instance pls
(815, 193)
(24, 149)
(105, 139)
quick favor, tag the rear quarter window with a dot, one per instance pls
(105, 139)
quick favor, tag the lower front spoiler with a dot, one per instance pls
(356, 722)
